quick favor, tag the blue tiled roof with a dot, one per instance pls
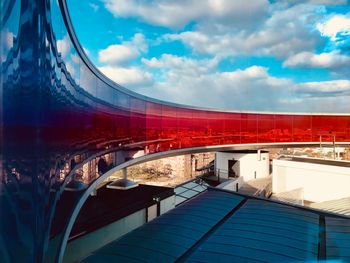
(218, 226)
(263, 231)
(338, 238)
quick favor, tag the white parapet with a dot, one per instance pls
(321, 180)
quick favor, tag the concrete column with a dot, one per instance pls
(125, 173)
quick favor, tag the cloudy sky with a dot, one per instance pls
(260, 55)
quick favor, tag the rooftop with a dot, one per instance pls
(236, 228)
(340, 163)
(339, 206)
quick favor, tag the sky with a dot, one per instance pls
(255, 55)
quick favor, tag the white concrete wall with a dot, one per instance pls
(320, 182)
(81, 247)
(151, 213)
(249, 164)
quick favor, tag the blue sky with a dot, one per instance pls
(261, 55)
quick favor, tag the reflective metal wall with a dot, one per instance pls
(55, 104)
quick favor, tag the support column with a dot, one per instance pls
(125, 173)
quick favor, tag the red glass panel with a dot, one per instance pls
(266, 126)
(249, 125)
(153, 121)
(302, 128)
(283, 128)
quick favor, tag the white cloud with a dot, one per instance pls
(125, 52)
(70, 58)
(316, 2)
(328, 2)
(94, 6)
(75, 59)
(270, 38)
(130, 77)
(139, 42)
(183, 64)
(338, 104)
(153, 62)
(176, 14)
(225, 28)
(70, 68)
(72, 63)
(337, 24)
(117, 54)
(197, 82)
(325, 88)
(331, 60)
(115, 60)
(64, 45)
(7, 38)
